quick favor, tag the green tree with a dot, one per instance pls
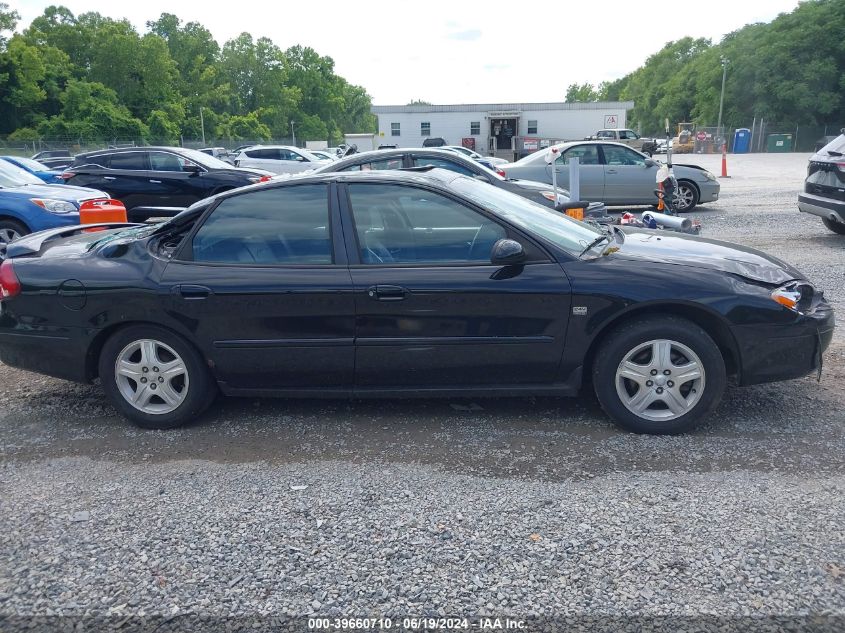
(582, 92)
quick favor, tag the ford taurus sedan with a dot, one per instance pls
(403, 284)
(617, 175)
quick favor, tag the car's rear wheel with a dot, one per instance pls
(11, 230)
(686, 197)
(659, 375)
(836, 227)
(154, 378)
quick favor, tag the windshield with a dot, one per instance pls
(204, 159)
(561, 230)
(13, 176)
(30, 164)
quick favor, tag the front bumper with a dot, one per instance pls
(709, 191)
(769, 353)
(823, 207)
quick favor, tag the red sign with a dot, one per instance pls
(701, 136)
(468, 142)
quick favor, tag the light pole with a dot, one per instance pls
(722, 97)
(292, 133)
(202, 125)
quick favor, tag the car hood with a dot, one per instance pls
(68, 193)
(698, 252)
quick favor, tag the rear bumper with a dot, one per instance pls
(769, 353)
(823, 207)
(59, 353)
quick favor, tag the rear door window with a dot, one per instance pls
(130, 161)
(164, 161)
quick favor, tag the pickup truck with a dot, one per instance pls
(629, 138)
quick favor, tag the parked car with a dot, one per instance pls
(493, 160)
(27, 204)
(402, 284)
(408, 158)
(434, 141)
(647, 146)
(41, 171)
(54, 158)
(616, 175)
(824, 188)
(337, 151)
(157, 181)
(217, 152)
(278, 159)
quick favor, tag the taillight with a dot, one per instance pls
(501, 172)
(10, 286)
(841, 166)
(265, 179)
(67, 175)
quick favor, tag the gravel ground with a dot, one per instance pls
(267, 512)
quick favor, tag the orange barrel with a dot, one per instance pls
(99, 211)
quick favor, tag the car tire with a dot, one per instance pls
(11, 230)
(836, 227)
(632, 361)
(687, 192)
(165, 375)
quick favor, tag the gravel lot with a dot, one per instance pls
(528, 508)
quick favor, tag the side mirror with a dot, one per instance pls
(650, 162)
(507, 253)
(301, 159)
(191, 168)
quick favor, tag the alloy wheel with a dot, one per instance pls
(8, 235)
(151, 376)
(684, 197)
(660, 380)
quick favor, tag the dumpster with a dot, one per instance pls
(742, 140)
(779, 143)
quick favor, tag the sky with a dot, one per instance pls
(456, 51)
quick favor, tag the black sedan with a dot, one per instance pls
(403, 284)
(408, 158)
(157, 181)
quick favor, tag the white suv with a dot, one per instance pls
(280, 159)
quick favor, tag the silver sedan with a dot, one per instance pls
(616, 175)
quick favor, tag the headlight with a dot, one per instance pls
(55, 206)
(709, 176)
(795, 296)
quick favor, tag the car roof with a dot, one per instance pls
(418, 175)
(122, 150)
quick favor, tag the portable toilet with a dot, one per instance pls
(742, 140)
(779, 143)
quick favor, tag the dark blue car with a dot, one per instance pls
(51, 176)
(28, 205)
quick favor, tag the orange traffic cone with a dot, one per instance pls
(724, 161)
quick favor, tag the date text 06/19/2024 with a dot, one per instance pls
(416, 624)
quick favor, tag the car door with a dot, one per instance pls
(590, 171)
(432, 311)
(177, 179)
(128, 179)
(267, 292)
(629, 177)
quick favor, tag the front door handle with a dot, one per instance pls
(193, 293)
(158, 182)
(611, 171)
(386, 293)
(108, 177)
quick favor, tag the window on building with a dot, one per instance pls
(425, 128)
(395, 129)
(475, 128)
(532, 127)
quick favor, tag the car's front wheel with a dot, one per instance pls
(836, 227)
(658, 375)
(686, 197)
(11, 230)
(155, 378)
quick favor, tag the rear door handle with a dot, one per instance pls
(612, 171)
(108, 177)
(193, 293)
(158, 182)
(386, 293)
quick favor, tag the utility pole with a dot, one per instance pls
(292, 133)
(202, 125)
(722, 98)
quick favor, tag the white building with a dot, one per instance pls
(500, 128)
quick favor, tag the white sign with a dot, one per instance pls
(531, 144)
(610, 121)
(504, 115)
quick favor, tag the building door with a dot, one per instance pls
(501, 133)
